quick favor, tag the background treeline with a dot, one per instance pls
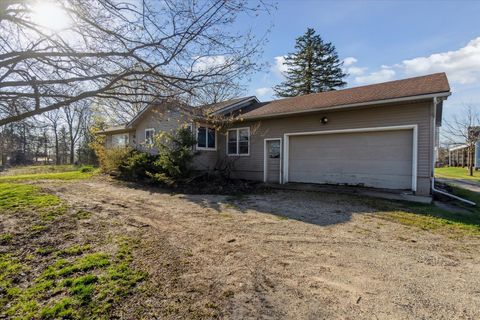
(57, 137)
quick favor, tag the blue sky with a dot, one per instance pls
(384, 40)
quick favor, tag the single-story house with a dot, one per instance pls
(381, 135)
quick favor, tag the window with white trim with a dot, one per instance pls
(238, 142)
(149, 133)
(206, 138)
(120, 140)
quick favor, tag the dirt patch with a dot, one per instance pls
(282, 255)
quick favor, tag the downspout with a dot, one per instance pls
(434, 117)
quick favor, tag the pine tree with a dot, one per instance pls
(314, 67)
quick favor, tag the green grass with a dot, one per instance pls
(457, 173)
(469, 195)
(69, 175)
(18, 197)
(55, 281)
(42, 169)
(431, 218)
(6, 238)
(86, 287)
(82, 215)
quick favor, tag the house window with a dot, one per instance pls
(120, 140)
(149, 133)
(238, 142)
(206, 138)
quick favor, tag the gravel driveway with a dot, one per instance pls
(298, 255)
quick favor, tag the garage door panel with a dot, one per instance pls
(376, 159)
(378, 181)
(394, 153)
(342, 166)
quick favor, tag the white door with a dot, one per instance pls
(272, 160)
(380, 159)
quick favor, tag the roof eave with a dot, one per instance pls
(444, 95)
(237, 104)
(115, 131)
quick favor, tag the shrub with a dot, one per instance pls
(173, 162)
(137, 165)
(175, 155)
(111, 159)
(86, 169)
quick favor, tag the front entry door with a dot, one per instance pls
(273, 159)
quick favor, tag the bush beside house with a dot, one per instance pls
(171, 164)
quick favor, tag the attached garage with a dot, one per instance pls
(374, 157)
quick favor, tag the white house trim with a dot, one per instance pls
(413, 127)
(149, 130)
(206, 148)
(265, 160)
(238, 142)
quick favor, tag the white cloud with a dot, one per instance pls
(263, 91)
(279, 67)
(462, 65)
(202, 64)
(355, 71)
(349, 61)
(382, 75)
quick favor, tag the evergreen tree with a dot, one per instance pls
(314, 67)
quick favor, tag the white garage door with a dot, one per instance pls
(381, 159)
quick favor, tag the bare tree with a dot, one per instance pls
(54, 119)
(74, 119)
(464, 130)
(217, 90)
(108, 48)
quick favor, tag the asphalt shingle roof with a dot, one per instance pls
(418, 86)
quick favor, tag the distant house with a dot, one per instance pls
(458, 156)
(381, 135)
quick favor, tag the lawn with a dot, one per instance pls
(90, 248)
(429, 217)
(62, 173)
(22, 170)
(456, 173)
(50, 267)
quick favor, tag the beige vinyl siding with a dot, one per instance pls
(170, 121)
(419, 113)
(160, 120)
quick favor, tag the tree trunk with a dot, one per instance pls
(471, 162)
(72, 152)
(57, 155)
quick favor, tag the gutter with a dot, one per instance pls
(352, 105)
(434, 190)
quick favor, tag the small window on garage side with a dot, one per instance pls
(206, 138)
(238, 142)
(149, 134)
(274, 149)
